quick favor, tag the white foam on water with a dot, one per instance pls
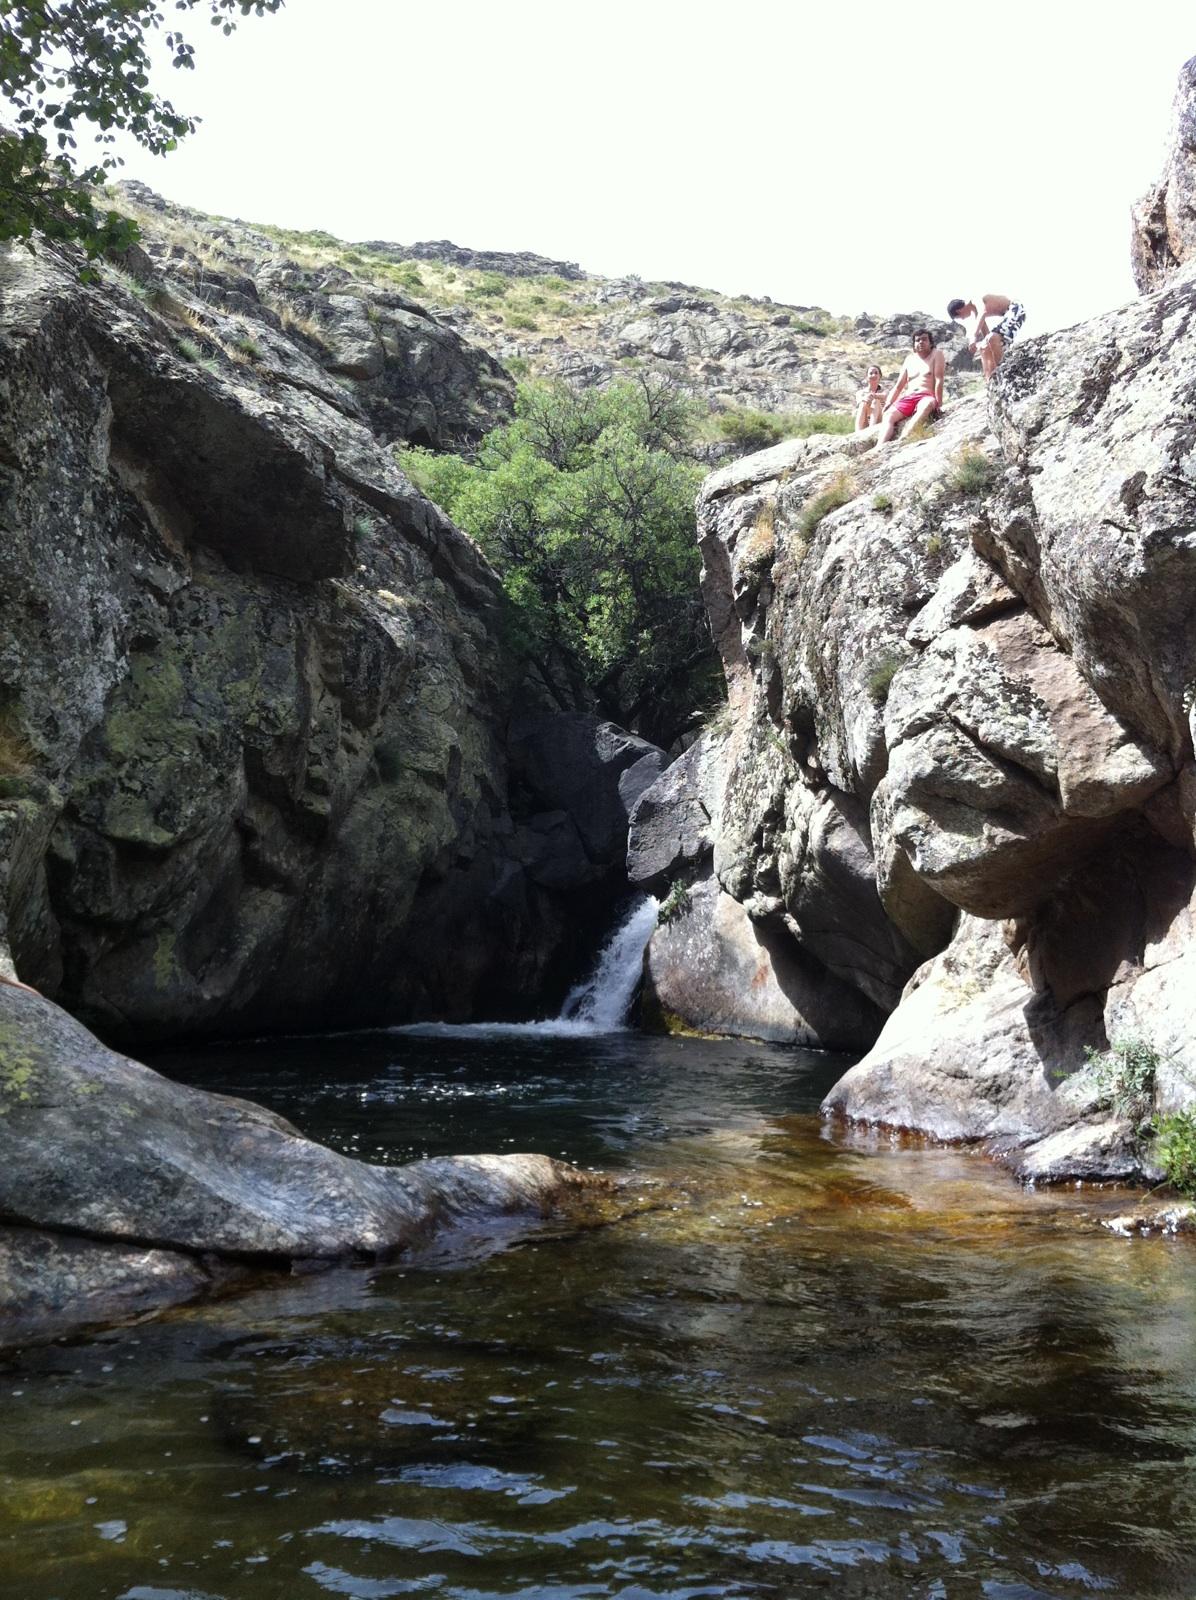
(599, 1005)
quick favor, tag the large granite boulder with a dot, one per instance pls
(134, 1189)
(959, 773)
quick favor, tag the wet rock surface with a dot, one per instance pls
(121, 1190)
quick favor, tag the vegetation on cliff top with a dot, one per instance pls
(584, 503)
(85, 61)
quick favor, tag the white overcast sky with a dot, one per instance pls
(870, 156)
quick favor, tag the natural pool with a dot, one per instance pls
(816, 1367)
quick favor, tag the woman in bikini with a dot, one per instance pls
(870, 402)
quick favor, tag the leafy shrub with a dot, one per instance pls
(517, 367)
(490, 286)
(750, 430)
(882, 502)
(758, 430)
(1176, 1151)
(557, 285)
(520, 319)
(674, 905)
(1124, 1077)
(972, 472)
(837, 493)
(585, 506)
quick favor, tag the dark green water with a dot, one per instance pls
(817, 1368)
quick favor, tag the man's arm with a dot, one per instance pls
(979, 329)
(902, 379)
(938, 373)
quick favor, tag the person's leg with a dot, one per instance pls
(863, 415)
(888, 427)
(923, 412)
(990, 353)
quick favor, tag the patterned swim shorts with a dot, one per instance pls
(1011, 322)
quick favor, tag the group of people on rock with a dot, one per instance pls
(991, 321)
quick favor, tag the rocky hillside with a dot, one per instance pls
(353, 304)
(957, 777)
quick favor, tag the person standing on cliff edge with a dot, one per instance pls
(992, 322)
(918, 392)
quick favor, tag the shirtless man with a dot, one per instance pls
(992, 322)
(918, 392)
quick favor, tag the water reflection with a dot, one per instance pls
(812, 1368)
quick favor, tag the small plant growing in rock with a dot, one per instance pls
(716, 721)
(934, 544)
(972, 472)
(837, 493)
(1176, 1151)
(362, 527)
(881, 677)
(250, 348)
(882, 502)
(674, 905)
(189, 350)
(1124, 1077)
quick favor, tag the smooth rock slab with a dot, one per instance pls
(103, 1150)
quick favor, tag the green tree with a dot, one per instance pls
(584, 503)
(85, 62)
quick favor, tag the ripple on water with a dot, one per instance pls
(804, 1365)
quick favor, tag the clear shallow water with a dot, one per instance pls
(816, 1368)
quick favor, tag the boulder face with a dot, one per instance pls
(959, 772)
(1163, 231)
(121, 1191)
(253, 699)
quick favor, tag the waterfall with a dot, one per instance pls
(599, 1005)
(604, 998)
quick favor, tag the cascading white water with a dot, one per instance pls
(599, 1005)
(603, 999)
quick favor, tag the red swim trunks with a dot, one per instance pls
(909, 403)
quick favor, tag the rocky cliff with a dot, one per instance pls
(958, 777)
(264, 757)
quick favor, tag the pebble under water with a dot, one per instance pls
(808, 1364)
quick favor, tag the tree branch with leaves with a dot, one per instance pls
(86, 64)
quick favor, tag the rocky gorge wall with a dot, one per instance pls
(957, 777)
(265, 760)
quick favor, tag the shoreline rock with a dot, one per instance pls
(121, 1191)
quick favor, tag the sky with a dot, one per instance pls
(870, 156)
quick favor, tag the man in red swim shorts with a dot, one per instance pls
(918, 392)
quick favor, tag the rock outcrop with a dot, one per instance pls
(959, 773)
(254, 702)
(120, 1190)
(1163, 222)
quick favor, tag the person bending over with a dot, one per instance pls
(870, 401)
(992, 322)
(918, 393)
